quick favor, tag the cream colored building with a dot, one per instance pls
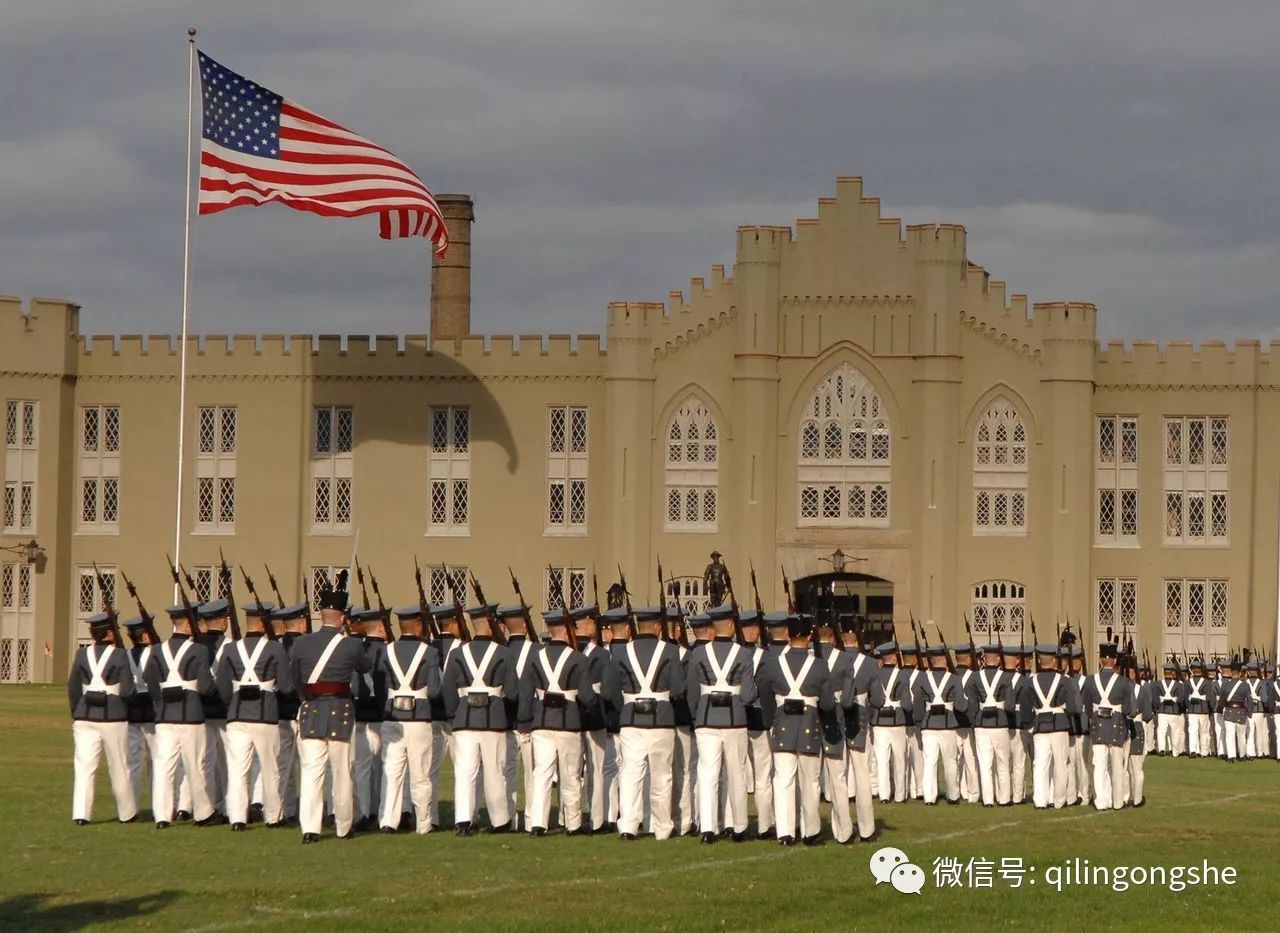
(847, 385)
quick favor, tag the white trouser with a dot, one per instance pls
(408, 749)
(970, 785)
(1082, 752)
(796, 776)
(1199, 734)
(992, 744)
(287, 767)
(593, 787)
(1257, 742)
(1073, 759)
(109, 740)
(872, 765)
(1220, 735)
(1275, 728)
(835, 774)
(859, 783)
(722, 753)
(179, 743)
(367, 748)
(1049, 768)
(1235, 735)
(939, 744)
(762, 777)
(645, 754)
(682, 780)
(482, 754)
(214, 763)
(555, 752)
(1137, 777)
(442, 738)
(318, 757)
(519, 760)
(915, 762)
(613, 808)
(142, 748)
(891, 760)
(1109, 762)
(1170, 731)
(247, 741)
(1019, 752)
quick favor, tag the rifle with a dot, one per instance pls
(109, 609)
(192, 619)
(755, 590)
(924, 640)
(1022, 647)
(424, 607)
(271, 579)
(951, 667)
(626, 596)
(662, 603)
(148, 620)
(382, 607)
(595, 597)
(1035, 641)
(262, 610)
(497, 634)
(459, 609)
(733, 604)
(786, 586)
(973, 648)
(564, 607)
(224, 574)
(364, 593)
(834, 621)
(306, 599)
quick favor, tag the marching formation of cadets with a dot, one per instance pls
(640, 726)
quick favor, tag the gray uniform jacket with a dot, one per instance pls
(1261, 694)
(287, 703)
(410, 700)
(991, 696)
(1144, 711)
(524, 653)
(837, 661)
(895, 697)
(272, 669)
(716, 703)
(1235, 702)
(795, 718)
(1202, 695)
(107, 701)
(638, 706)
(936, 698)
(1062, 702)
(1171, 696)
(480, 704)
(328, 716)
(214, 707)
(140, 707)
(184, 703)
(861, 694)
(561, 705)
(597, 660)
(1110, 702)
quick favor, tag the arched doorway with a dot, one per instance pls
(854, 594)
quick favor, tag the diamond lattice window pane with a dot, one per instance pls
(111, 500)
(24, 586)
(857, 502)
(227, 435)
(24, 660)
(980, 623)
(89, 432)
(346, 432)
(673, 506)
(691, 506)
(320, 510)
(342, 502)
(1195, 515)
(27, 505)
(557, 431)
(857, 442)
(999, 615)
(204, 584)
(693, 452)
(809, 441)
(6, 587)
(1107, 512)
(439, 502)
(709, 506)
(578, 431)
(437, 586)
(879, 502)
(1129, 513)
(1018, 510)
(831, 502)
(1106, 602)
(28, 424)
(10, 505)
(880, 444)
(1173, 604)
(577, 502)
(1195, 441)
(577, 588)
(204, 500)
(710, 444)
(320, 580)
(461, 430)
(226, 501)
(809, 502)
(111, 429)
(440, 430)
(832, 442)
(1218, 604)
(107, 588)
(207, 431)
(88, 502)
(1129, 441)
(87, 592)
(6, 659)
(11, 424)
(1195, 603)
(1173, 515)
(324, 430)
(1173, 442)
(982, 509)
(555, 583)
(1218, 515)
(1128, 603)
(555, 504)
(460, 502)
(1218, 454)
(1106, 440)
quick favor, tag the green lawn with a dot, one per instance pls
(54, 875)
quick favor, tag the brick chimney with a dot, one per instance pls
(451, 275)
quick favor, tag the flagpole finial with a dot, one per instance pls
(191, 32)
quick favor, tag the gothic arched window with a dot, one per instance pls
(693, 468)
(1000, 459)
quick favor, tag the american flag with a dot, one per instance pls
(257, 147)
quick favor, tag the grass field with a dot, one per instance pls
(54, 875)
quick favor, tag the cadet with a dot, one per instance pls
(1274, 694)
(1015, 666)
(215, 619)
(1257, 742)
(1140, 734)
(861, 695)
(178, 677)
(523, 645)
(322, 666)
(408, 743)
(795, 691)
(643, 680)
(142, 712)
(586, 619)
(290, 624)
(1235, 704)
(370, 693)
(479, 680)
(1049, 700)
(1081, 746)
(1201, 699)
(937, 697)
(248, 677)
(966, 666)
(1171, 708)
(100, 688)
(834, 777)
(450, 627)
(555, 695)
(684, 762)
(1109, 700)
(990, 695)
(912, 665)
(775, 627)
(720, 685)
(619, 624)
(890, 720)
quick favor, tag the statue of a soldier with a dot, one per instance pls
(714, 581)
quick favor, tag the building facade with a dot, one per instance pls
(850, 387)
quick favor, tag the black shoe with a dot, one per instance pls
(132, 819)
(82, 822)
(499, 830)
(787, 840)
(435, 827)
(465, 829)
(278, 824)
(931, 803)
(988, 806)
(349, 834)
(738, 837)
(388, 830)
(538, 831)
(184, 815)
(308, 838)
(814, 840)
(580, 831)
(627, 837)
(255, 813)
(953, 802)
(708, 838)
(238, 827)
(610, 828)
(871, 838)
(162, 824)
(406, 819)
(1141, 803)
(768, 834)
(210, 820)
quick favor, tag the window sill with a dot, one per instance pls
(213, 532)
(1000, 532)
(448, 532)
(97, 530)
(560, 532)
(690, 529)
(1194, 545)
(331, 532)
(1113, 544)
(842, 523)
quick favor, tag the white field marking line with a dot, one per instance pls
(300, 914)
(967, 832)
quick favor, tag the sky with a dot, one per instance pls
(1120, 152)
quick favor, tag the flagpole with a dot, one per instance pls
(186, 292)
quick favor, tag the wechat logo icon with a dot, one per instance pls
(892, 865)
